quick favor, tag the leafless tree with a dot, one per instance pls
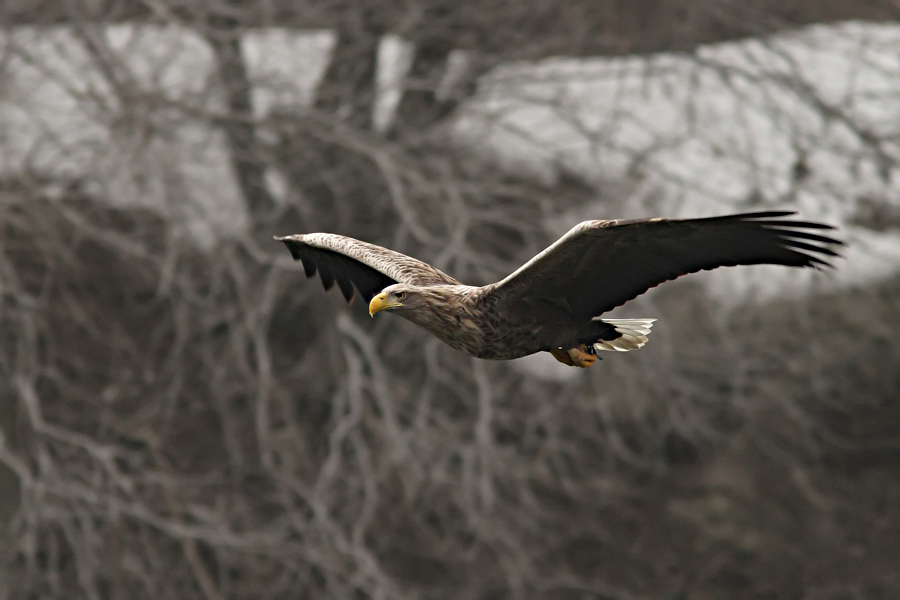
(181, 416)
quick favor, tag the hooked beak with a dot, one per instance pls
(380, 302)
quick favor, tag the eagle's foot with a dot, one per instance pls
(581, 356)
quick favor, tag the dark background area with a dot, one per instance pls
(180, 421)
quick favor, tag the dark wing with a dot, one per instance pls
(599, 265)
(350, 262)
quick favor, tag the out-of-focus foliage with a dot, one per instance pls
(181, 421)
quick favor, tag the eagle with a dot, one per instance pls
(554, 302)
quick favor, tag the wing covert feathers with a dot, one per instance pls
(350, 262)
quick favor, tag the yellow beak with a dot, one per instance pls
(380, 302)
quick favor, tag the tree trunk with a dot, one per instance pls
(224, 36)
(347, 89)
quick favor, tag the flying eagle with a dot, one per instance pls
(554, 301)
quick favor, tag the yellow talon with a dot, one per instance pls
(574, 357)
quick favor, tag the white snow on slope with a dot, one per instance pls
(785, 122)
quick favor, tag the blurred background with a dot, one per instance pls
(183, 415)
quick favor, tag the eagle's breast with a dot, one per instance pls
(470, 320)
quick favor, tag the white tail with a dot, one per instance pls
(634, 334)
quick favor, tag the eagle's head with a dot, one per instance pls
(412, 301)
(399, 296)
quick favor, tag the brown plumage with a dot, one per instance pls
(553, 302)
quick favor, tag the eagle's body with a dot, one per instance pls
(473, 320)
(553, 303)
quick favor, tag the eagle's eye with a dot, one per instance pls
(400, 295)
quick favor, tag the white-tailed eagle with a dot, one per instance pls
(554, 301)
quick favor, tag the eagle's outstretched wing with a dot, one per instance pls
(599, 265)
(350, 262)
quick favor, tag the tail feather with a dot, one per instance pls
(634, 334)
